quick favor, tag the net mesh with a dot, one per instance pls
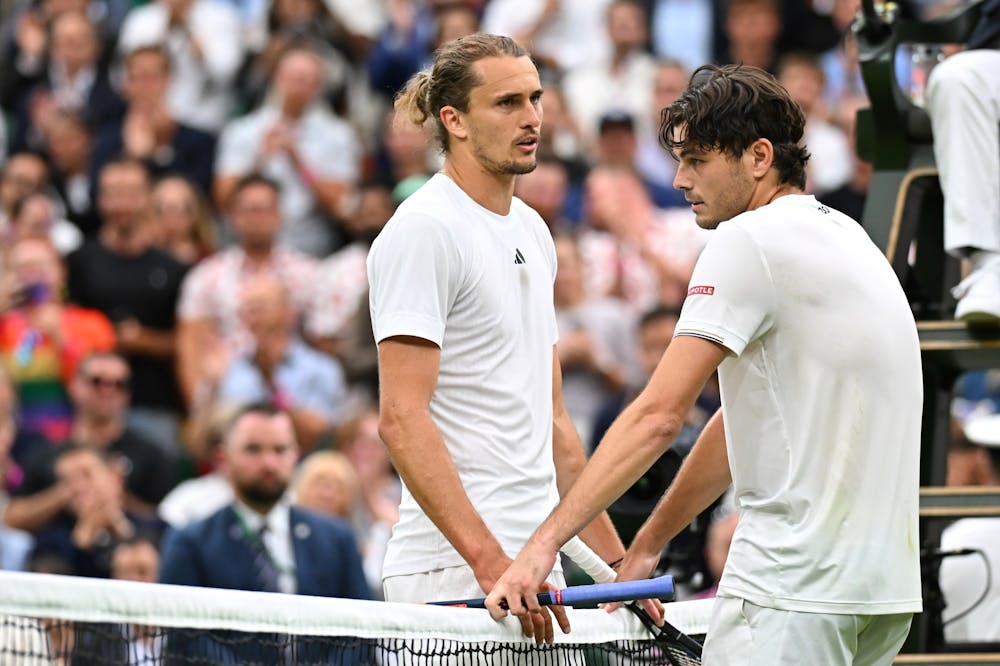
(65, 621)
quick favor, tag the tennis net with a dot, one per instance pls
(66, 621)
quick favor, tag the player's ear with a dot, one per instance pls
(761, 152)
(454, 121)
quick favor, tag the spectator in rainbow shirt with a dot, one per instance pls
(42, 339)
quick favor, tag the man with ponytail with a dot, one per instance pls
(461, 299)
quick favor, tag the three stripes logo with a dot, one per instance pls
(518, 257)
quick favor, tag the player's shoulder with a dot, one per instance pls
(527, 213)
(425, 219)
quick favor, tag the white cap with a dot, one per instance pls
(983, 430)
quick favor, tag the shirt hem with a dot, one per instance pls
(836, 607)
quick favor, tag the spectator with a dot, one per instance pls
(299, 24)
(93, 482)
(406, 43)
(26, 38)
(181, 221)
(404, 155)
(260, 542)
(841, 70)
(22, 174)
(99, 390)
(208, 310)
(381, 489)
(280, 367)
(326, 483)
(563, 139)
(686, 31)
(204, 42)
(964, 579)
(295, 140)
(594, 337)
(137, 287)
(560, 35)
(752, 28)
(655, 165)
(150, 131)
(343, 280)
(69, 146)
(137, 559)
(547, 190)
(43, 340)
(34, 216)
(633, 250)
(654, 331)
(618, 148)
(200, 497)
(831, 162)
(14, 544)
(850, 197)
(69, 78)
(625, 79)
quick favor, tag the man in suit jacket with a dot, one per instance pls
(67, 74)
(260, 542)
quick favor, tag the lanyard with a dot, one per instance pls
(254, 540)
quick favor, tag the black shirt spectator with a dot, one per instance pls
(143, 288)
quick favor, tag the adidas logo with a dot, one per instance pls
(518, 257)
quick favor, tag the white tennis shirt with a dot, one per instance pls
(822, 400)
(478, 285)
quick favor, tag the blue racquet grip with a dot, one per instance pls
(651, 588)
(658, 588)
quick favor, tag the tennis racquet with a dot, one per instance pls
(681, 649)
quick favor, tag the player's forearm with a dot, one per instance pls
(703, 477)
(570, 461)
(420, 456)
(633, 442)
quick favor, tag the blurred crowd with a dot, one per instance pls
(188, 190)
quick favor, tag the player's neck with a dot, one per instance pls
(492, 191)
(769, 189)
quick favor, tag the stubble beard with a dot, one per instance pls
(506, 167)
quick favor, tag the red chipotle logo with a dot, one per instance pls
(702, 289)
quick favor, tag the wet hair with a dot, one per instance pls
(729, 107)
(450, 80)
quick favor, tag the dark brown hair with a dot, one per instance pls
(450, 80)
(727, 108)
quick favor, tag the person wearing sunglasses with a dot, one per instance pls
(100, 392)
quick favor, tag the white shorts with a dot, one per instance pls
(743, 634)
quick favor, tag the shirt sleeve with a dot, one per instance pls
(730, 298)
(195, 300)
(236, 150)
(413, 273)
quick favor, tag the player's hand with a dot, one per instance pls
(519, 586)
(638, 564)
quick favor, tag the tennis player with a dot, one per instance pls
(819, 430)
(461, 299)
